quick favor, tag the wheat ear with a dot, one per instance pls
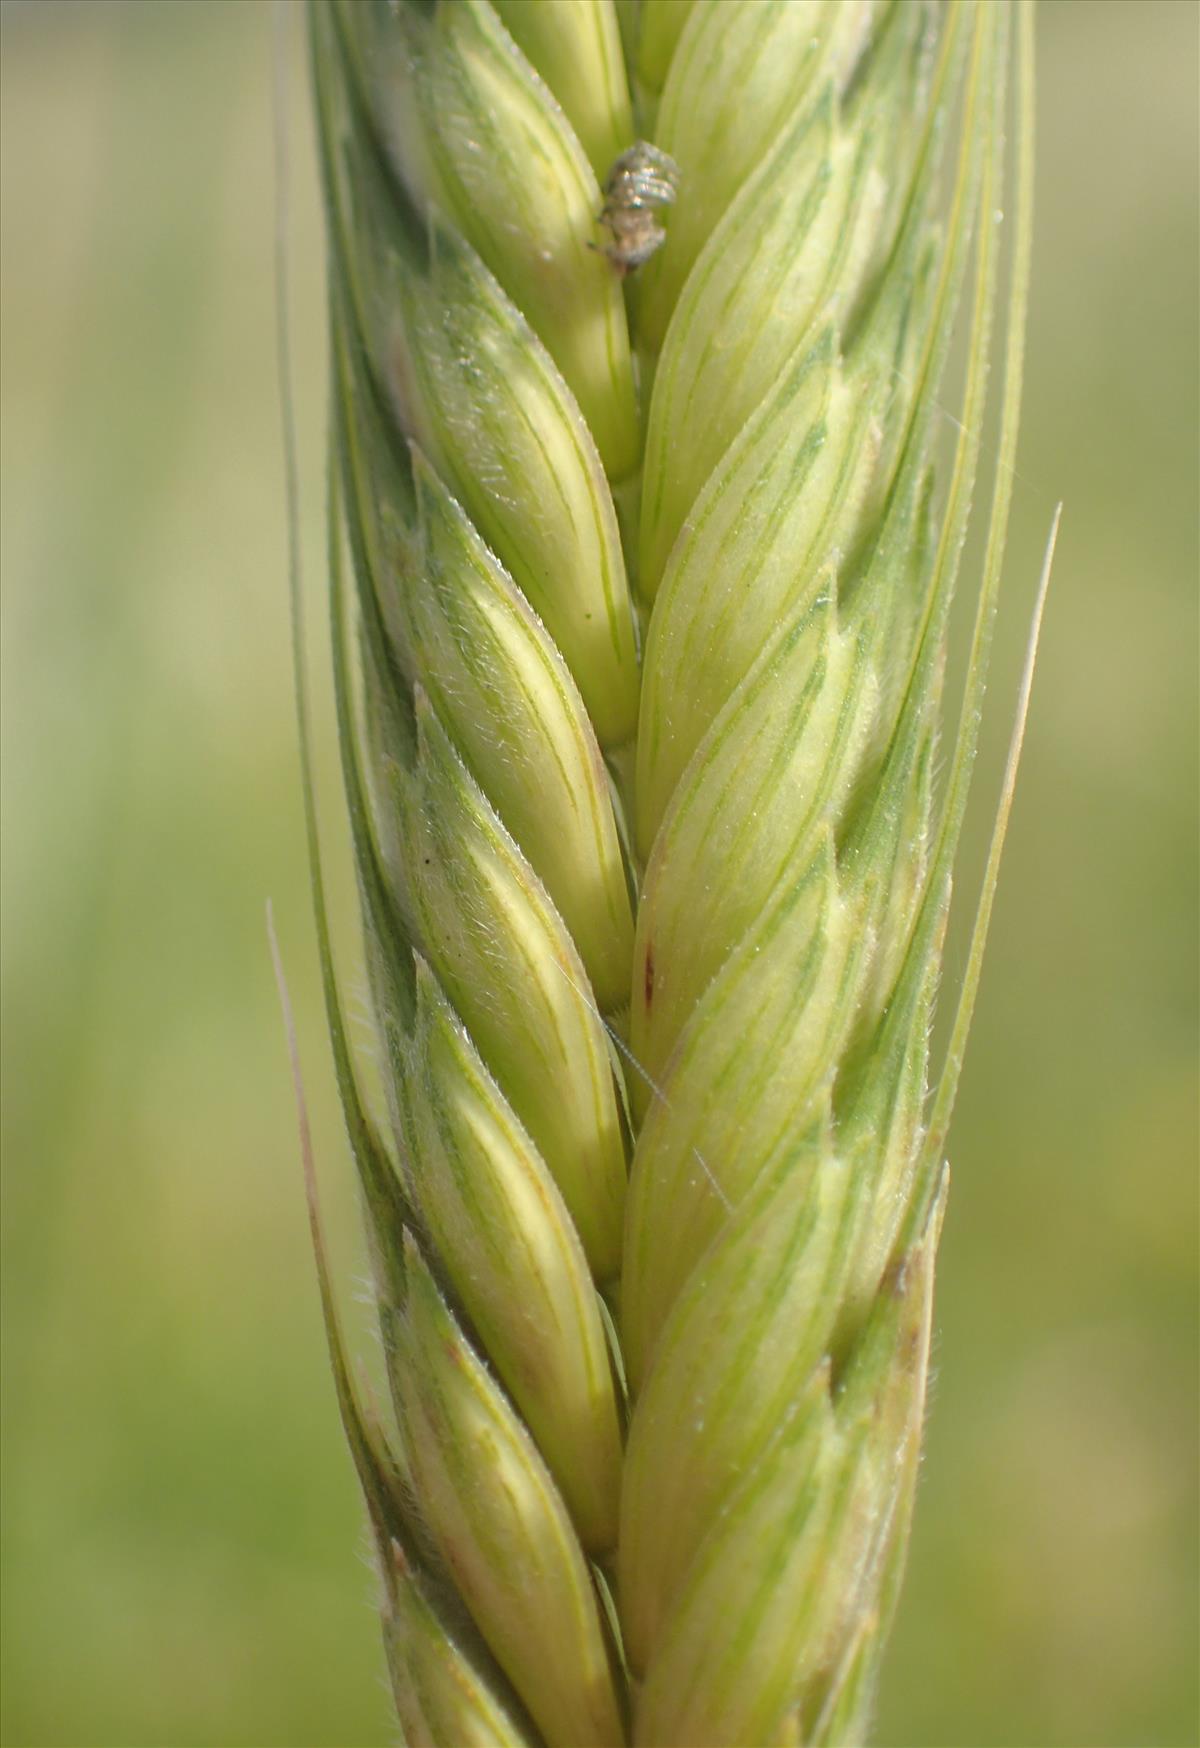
(641, 587)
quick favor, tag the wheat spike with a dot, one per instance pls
(643, 321)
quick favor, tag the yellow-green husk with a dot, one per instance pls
(642, 594)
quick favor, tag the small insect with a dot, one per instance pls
(639, 185)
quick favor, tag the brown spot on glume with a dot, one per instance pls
(895, 1277)
(649, 983)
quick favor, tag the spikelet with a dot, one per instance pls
(642, 580)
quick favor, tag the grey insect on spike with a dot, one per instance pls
(640, 184)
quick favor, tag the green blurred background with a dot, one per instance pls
(182, 1538)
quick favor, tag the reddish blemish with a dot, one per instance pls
(894, 1279)
(649, 982)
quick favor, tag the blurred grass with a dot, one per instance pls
(181, 1531)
